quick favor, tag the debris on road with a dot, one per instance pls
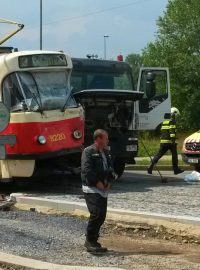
(2, 197)
(5, 202)
(156, 232)
(192, 177)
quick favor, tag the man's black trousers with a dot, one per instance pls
(97, 206)
(164, 147)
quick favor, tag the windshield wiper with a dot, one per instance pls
(38, 104)
(67, 99)
(34, 95)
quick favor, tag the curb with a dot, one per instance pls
(35, 264)
(177, 223)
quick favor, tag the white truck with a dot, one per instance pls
(111, 101)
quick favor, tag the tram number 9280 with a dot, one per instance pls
(57, 137)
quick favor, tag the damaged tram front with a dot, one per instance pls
(44, 117)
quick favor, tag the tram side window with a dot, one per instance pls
(12, 95)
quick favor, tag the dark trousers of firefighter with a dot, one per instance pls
(164, 147)
(97, 206)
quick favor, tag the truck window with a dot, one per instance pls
(123, 81)
(82, 80)
(161, 90)
(77, 81)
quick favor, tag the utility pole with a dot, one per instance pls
(40, 24)
(105, 37)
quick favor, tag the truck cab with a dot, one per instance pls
(112, 102)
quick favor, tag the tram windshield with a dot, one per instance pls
(37, 91)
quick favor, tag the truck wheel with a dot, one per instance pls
(119, 166)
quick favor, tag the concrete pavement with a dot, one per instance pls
(40, 265)
(134, 189)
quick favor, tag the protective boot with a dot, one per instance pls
(92, 245)
(103, 249)
(178, 171)
(150, 168)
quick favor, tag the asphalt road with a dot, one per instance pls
(135, 191)
(60, 239)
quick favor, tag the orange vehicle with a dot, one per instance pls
(44, 117)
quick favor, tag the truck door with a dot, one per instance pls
(156, 101)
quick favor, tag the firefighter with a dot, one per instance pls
(168, 141)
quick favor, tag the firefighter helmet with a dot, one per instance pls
(175, 111)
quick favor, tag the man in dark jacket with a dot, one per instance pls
(168, 141)
(97, 175)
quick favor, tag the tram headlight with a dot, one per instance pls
(42, 139)
(77, 134)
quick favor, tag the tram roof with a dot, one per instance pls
(9, 62)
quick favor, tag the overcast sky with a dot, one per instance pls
(78, 26)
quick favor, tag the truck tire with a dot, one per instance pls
(119, 166)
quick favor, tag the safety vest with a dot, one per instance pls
(168, 131)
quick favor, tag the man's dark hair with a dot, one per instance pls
(99, 133)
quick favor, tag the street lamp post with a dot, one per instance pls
(105, 37)
(40, 24)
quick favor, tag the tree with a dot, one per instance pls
(177, 46)
(135, 61)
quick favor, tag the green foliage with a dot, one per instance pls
(135, 61)
(177, 46)
(151, 140)
(152, 146)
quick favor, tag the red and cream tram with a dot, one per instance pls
(44, 117)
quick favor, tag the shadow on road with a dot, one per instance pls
(70, 184)
(54, 184)
(137, 182)
(145, 252)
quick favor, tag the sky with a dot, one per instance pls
(78, 26)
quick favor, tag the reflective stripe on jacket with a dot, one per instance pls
(168, 131)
